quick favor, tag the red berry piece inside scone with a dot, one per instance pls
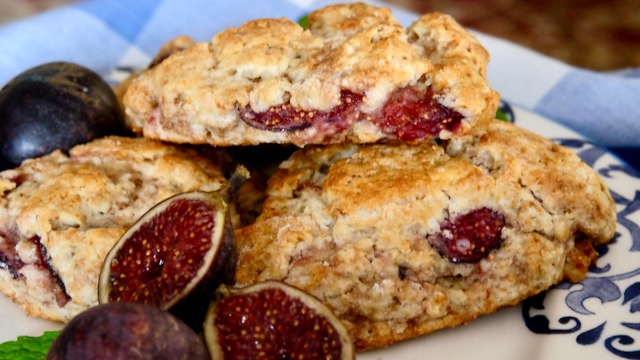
(413, 114)
(471, 236)
(409, 114)
(288, 118)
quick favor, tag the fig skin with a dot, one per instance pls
(55, 106)
(272, 320)
(176, 255)
(126, 331)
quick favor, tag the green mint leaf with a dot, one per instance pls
(304, 21)
(28, 347)
(501, 115)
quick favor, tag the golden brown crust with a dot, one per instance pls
(77, 207)
(172, 46)
(349, 223)
(195, 95)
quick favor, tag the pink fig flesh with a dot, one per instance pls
(470, 237)
(274, 320)
(181, 250)
(156, 263)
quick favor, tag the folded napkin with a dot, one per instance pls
(107, 34)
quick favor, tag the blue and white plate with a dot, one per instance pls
(596, 319)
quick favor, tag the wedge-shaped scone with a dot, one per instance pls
(60, 215)
(402, 240)
(354, 75)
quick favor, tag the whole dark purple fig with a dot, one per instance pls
(273, 320)
(54, 106)
(176, 255)
(126, 331)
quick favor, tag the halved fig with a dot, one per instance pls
(126, 331)
(175, 255)
(273, 320)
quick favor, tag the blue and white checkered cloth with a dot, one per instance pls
(104, 34)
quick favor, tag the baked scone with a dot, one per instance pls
(60, 215)
(401, 240)
(354, 75)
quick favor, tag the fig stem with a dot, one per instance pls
(237, 179)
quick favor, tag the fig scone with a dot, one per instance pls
(401, 240)
(354, 75)
(61, 214)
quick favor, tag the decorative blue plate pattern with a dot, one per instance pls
(613, 284)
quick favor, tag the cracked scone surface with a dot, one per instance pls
(60, 215)
(354, 75)
(354, 225)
